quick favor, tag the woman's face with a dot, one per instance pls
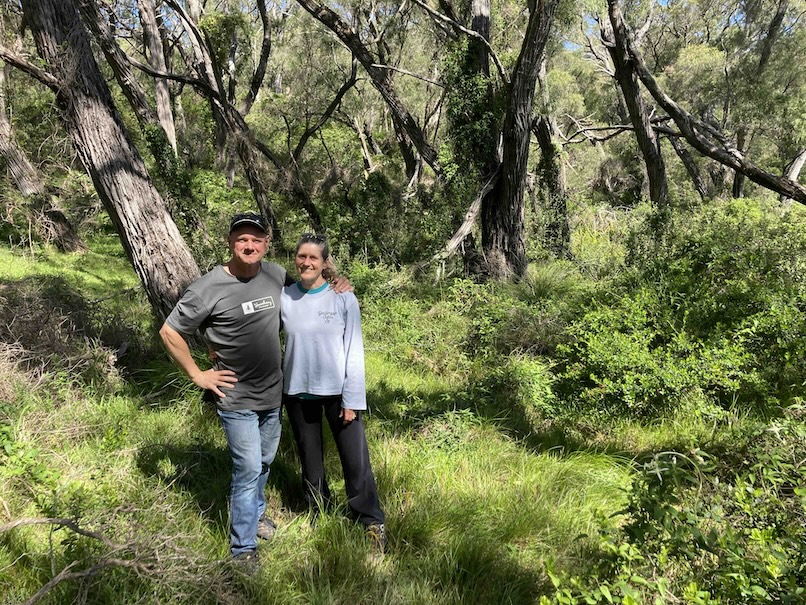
(309, 263)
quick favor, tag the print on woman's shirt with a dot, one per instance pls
(327, 315)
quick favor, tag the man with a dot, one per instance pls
(236, 306)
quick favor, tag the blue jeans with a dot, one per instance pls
(253, 438)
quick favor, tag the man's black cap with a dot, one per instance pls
(249, 219)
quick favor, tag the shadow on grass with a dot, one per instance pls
(408, 413)
(203, 471)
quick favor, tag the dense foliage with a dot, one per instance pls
(712, 313)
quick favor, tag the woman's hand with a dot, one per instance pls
(347, 416)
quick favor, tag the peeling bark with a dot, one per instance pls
(149, 236)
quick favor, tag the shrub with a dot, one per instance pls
(713, 310)
(724, 262)
(622, 358)
(703, 530)
(525, 389)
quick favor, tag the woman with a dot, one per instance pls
(323, 372)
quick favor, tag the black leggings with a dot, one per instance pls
(306, 421)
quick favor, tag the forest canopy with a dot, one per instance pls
(406, 131)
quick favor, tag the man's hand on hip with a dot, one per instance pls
(215, 380)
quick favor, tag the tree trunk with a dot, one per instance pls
(793, 169)
(162, 148)
(553, 196)
(57, 229)
(502, 230)
(481, 25)
(22, 172)
(743, 137)
(487, 159)
(737, 189)
(366, 151)
(259, 190)
(690, 166)
(407, 151)
(149, 236)
(614, 39)
(152, 40)
(551, 189)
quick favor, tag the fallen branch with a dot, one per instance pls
(159, 560)
(464, 230)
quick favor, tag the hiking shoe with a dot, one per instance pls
(247, 562)
(265, 528)
(377, 537)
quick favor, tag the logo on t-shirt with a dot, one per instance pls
(259, 304)
(328, 316)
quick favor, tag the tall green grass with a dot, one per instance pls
(496, 488)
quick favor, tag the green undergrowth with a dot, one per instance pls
(625, 428)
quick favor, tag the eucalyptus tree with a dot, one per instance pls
(149, 236)
(707, 137)
(736, 67)
(501, 198)
(614, 36)
(224, 58)
(552, 187)
(158, 56)
(115, 36)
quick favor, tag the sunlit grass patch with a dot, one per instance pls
(96, 272)
(476, 513)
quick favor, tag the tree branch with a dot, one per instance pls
(200, 85)
(334, 105)
(695, 132)
(380, 79)
(118, 61)
(469, 32)
(68, 523)
(408, 73)
(29, 68)
(260, 68)
(464, 230)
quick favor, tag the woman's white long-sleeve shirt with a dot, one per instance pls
(324, 349)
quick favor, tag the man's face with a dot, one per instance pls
(248, 245)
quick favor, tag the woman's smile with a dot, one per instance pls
(309, 264)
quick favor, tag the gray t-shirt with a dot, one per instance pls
(240, 319)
